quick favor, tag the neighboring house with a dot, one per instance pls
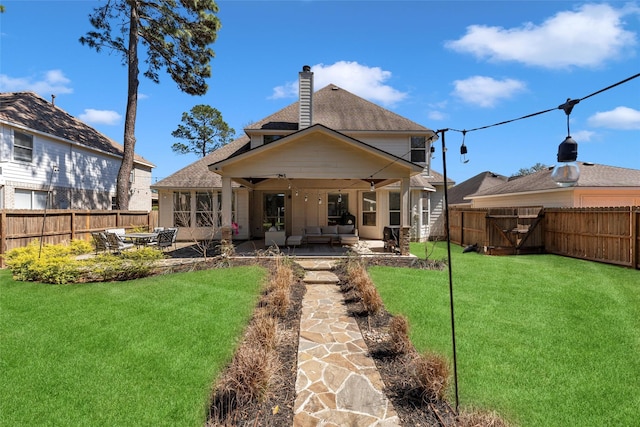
(329, 156)
(479, 183)
(598, 186)
(50, 159)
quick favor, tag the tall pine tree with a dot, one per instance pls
(176, 36)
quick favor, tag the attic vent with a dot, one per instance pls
(335, 88)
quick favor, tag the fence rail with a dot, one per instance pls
(19, 227)
(609, 235)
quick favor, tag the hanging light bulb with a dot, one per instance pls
(463, 149)
(339, 197)
(319, 200)
(296, 192)
(289, 186)
(566, 173)
(373, 186)
(306, 198)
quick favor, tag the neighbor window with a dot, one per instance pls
(22, 146)
(182, 209)
(369, 208)
(419, 149)
(394, 208)
(30, 199)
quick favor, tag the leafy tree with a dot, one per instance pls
(528, 171)
(204, 130)
(175, 35)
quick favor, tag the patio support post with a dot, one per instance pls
(405, 221)
(225, 227)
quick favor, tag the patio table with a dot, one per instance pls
(141, 239)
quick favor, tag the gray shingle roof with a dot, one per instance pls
(342, 111)
(591, 175)
(31, 111)
(481, 182)
(197, 174)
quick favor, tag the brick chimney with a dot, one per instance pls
(305, 88)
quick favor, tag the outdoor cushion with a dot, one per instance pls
(330, 229)
(312, 231)
(345, 229)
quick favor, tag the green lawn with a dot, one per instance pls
(143, 352)
(544, 340)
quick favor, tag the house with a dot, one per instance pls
(327, 158)
(598, 186)
(481, 182)
(50, 159)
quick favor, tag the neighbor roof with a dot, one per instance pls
(481, 182)
(342, 111)
(29, 110)
(591, 175)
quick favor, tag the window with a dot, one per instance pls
(273, 210)
(425, 209)
(419, 149)
(114, 203)
(182, 209)
(30, 199)
(369, 208)
(208, 209)
(22, 146)
(267, 139)
(337, 205)
(394, 208)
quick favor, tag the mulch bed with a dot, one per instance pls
(277, 408)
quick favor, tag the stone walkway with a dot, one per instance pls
(337, 383)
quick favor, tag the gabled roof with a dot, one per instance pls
(591, 176)
(481, 182)
(342, 111)
(314, 130)
(197, 174)
(30, 111)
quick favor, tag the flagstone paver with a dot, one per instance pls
(337, 383)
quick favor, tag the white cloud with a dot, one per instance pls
(583, 135)
(619, 118)
(102, 117)
(436, 115)
(367, 82)
(586, 37)
(48, 83)
(486, 91)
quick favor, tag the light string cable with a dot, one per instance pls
(560, 107)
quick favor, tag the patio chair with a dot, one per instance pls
(165, 239)
(115, 244)
(100, 242)
(175, 236)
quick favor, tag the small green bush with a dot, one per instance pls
(49, 264)
(57, 264)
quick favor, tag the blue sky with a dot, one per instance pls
(443, 64)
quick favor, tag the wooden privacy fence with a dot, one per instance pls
(609, 235)
(19, 227)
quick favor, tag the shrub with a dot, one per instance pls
(399, 332)
(79, 247)
(49, 264)
(432, 375)
(57, 264)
